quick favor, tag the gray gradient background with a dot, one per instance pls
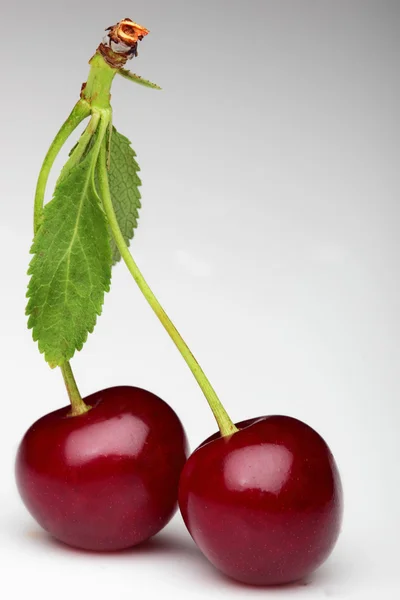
(269, 231)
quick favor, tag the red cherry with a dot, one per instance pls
(264, 505)
(107, 479)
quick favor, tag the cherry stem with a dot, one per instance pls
(80, 112)
(78, 407)
(225, 424)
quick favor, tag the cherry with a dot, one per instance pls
(106, 479)
(263, 504)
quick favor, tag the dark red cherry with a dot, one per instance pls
(264, 505)
(107, 479)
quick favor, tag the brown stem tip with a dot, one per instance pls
(120, 43)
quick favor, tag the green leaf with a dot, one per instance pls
(124, 188)
(138, 79)
(71, 268)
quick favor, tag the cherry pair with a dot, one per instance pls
(263, 503)
(262, 499)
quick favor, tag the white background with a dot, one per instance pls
(268, 231)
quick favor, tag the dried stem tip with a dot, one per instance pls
(127, 32)
(120, 43)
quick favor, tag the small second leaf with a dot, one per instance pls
(124, 187)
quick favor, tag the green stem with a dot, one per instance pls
(80, 111)
(81, 147)
(225, 424)
(97, 88)
(104, 118)
(78, 407)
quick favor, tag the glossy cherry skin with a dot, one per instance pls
(107, 479)
(265, 504)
